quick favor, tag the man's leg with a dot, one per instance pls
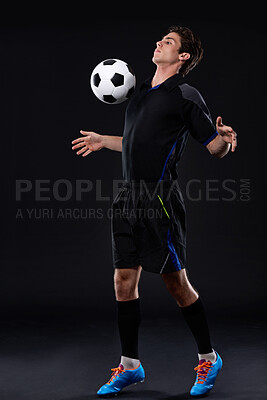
(128, 311)
(130, 369)
(193, 311)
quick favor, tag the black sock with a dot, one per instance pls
(129, 318)
(196, 319)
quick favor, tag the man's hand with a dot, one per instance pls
(91, 141)
(227, 133)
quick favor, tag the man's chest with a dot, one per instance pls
(153, 114)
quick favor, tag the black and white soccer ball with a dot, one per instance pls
(113, 81)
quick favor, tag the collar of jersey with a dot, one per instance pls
(170, 83)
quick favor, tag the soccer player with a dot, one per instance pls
(148, 223)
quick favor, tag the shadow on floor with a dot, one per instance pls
(181, 396)
(127, 394)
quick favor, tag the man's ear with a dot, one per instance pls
(184, 56)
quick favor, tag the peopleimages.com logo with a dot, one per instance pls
(63, 190)
(55, 195)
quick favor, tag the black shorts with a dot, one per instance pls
(149, 227)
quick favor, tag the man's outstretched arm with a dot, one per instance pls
(92, 141)
(221, 144)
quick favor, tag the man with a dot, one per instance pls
(158, 119)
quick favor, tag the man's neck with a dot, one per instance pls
(163, 73)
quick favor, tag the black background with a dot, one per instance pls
(65, 265)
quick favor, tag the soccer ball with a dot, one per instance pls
(113, 81)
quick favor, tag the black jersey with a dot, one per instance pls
(157, 123)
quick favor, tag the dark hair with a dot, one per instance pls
(189, 44)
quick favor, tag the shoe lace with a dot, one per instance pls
(116, 372)
(202, 371)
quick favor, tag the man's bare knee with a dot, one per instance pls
(180, 288)
(126, 283)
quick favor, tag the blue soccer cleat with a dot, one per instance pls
(121, 378)
(206, 375)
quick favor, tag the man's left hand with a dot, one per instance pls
(227, 133)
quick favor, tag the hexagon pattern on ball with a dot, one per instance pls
(113, 81)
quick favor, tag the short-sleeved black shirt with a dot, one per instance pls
(157, 122)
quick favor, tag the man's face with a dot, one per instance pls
(167, 50)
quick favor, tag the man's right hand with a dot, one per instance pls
(91, 141)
